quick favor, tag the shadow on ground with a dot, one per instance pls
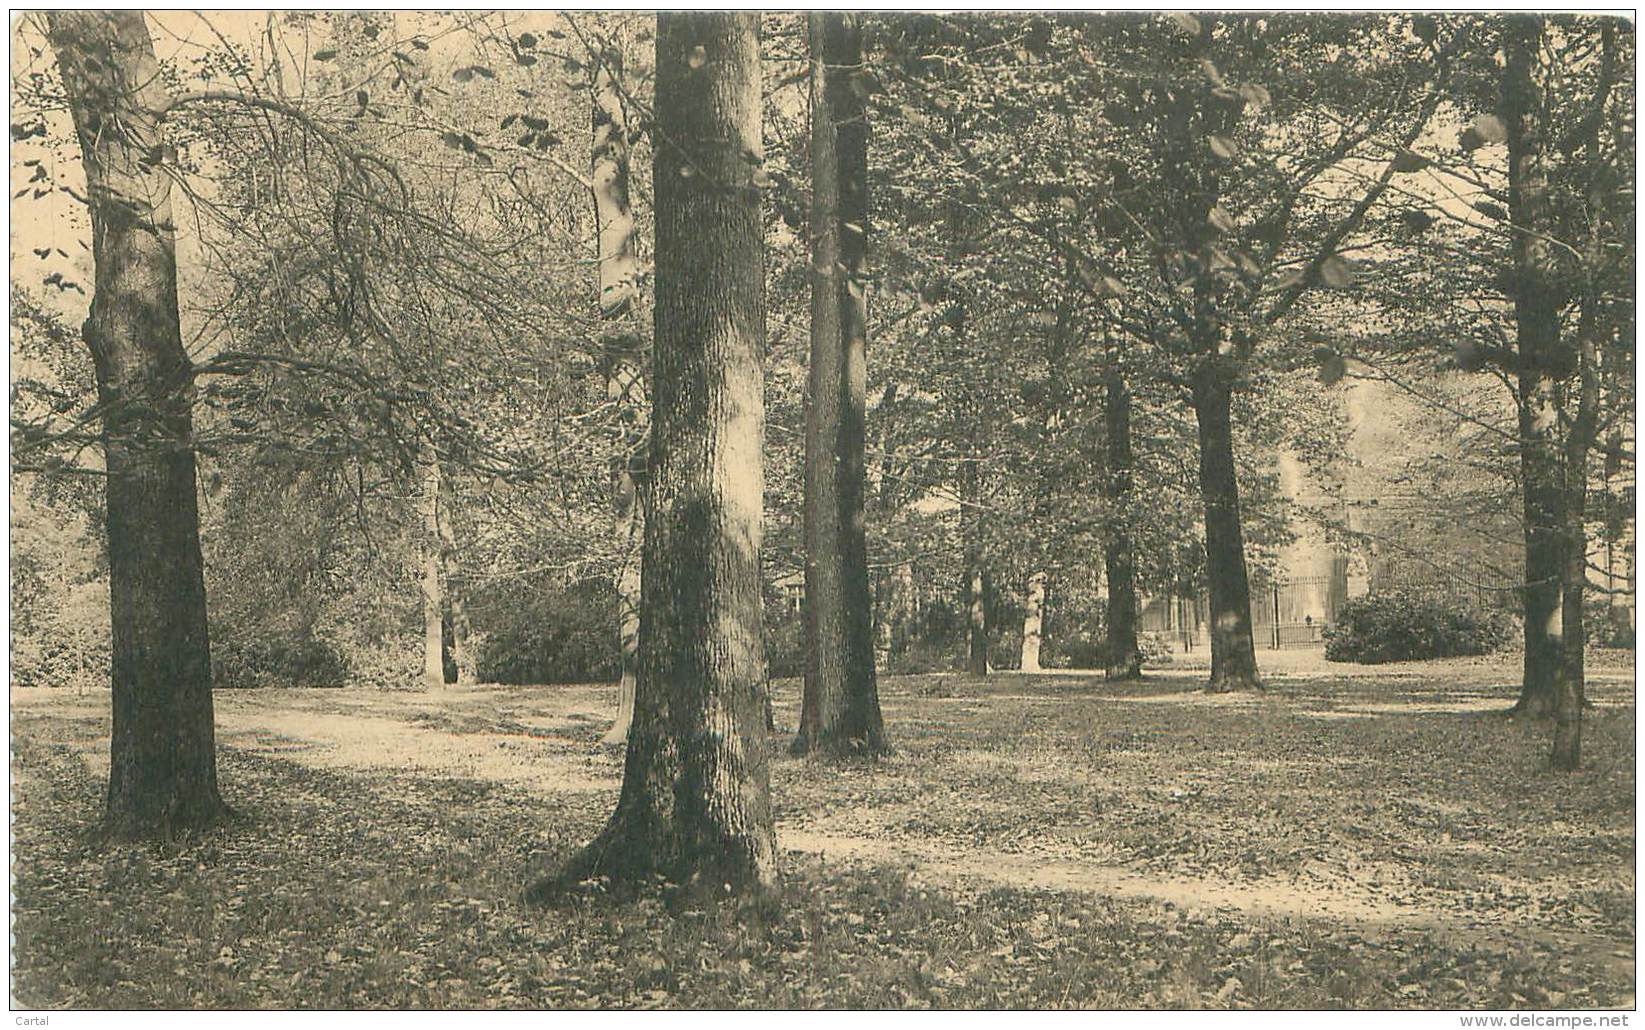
(1372, 837)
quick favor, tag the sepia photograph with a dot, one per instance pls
(815, 510)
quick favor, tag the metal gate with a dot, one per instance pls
(1295, 613)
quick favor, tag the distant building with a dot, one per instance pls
(1414, 515)
(1290, 607)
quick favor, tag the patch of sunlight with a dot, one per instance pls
(1475, 704)
(973, 759)
(1194, 699)
(351, 742)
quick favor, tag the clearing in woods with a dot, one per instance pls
(1355, 837)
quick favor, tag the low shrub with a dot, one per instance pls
(784, 644)
(1610, 627)
(1156, 650)
(1400, 626)
(922, 657)
(386, 663)
(1086, 647)
(558, 634)
(253, 660)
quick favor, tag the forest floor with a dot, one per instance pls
(1355, 837)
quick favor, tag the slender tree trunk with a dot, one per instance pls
(1536, 317)
(890, 604)
(863, 723)
(1543, 526)
(462, 656)
(1119, 557)
(620, 347)
(1194, 188)
(630, 527)
(887, 496)
(429, 581)
(1571, 689)
(883, 626)
(162, 757)
(1032, 622)
(976, 636)
(695, 804)
(824, 587)
(841, 709)
(903, 606)
(1233, 651)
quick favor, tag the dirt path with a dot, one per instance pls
(1374, 917)
(360, 741)
(337, 731)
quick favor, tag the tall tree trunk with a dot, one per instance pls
(429, 582)
(824, 587)
(1194, 188)
(1571, 689)
(162, 756)
(862, 723)
(620, 347)
(840, 711)
(1536, 317)
(1233, 651)
(695, 804)
(1033, 621)
(1119, 557)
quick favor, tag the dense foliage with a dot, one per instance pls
(1398, 626)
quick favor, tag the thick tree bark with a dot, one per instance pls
(1536, 318)
(1119, 557)
(695, 805)
(1033, 622)
(840, 711)
(162, 757)
(1233, 651)
(430, 582)
(620, 345)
